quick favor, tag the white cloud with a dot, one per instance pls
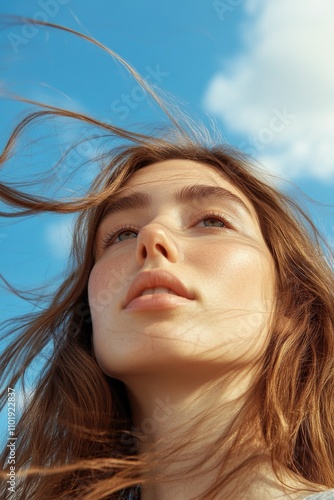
(286, 68)
(59, 237)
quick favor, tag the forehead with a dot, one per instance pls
(170, 174)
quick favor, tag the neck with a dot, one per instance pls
(190, 423)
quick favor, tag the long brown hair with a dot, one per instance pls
(75, 438)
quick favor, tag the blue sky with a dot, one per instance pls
(262, 69)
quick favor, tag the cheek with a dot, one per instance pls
(237, 283)
(235, 266)
(106, 287)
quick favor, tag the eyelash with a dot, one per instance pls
(108, 240)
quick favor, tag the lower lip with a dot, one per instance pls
(156, 301)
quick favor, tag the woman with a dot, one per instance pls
(193, 340)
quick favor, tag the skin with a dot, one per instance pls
(167, 358)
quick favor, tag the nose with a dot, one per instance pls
(153, 242)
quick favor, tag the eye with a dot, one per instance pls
(215, 218)
(110, 238)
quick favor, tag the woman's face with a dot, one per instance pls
(209, 240)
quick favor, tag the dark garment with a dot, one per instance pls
(131, 493)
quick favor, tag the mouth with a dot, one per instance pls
(156, 301)
(156, 288)
(155, 291)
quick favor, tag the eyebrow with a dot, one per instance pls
(197, 192)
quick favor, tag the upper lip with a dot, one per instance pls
(156, 279)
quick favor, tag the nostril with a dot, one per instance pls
(162, 249)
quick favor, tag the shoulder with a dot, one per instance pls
(324, 495)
